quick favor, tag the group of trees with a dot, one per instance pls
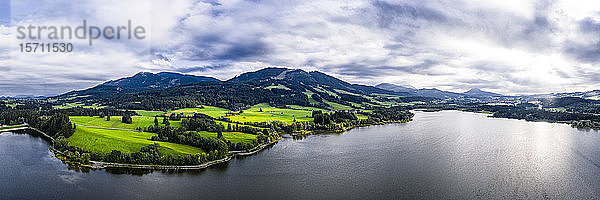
(586, 124)
(126, 119)
(396, 113)
(334, 117)
(543, 115)
(180, 136)
(57, 125)
(54, 125)
(202, 124)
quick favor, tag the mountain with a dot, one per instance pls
(22, 97)
(476, 92)
(147, 80)
(140, 82)
(396, 88)
(409, 90)
(436, 93)
(593, 95)
(303, 81)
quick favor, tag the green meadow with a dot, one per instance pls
(234, 137)
(104, 141)
(264, 113)
(115, 121)
(212, 111)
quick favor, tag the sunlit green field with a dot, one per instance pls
(297, 107)
(149, 113)
(104, 141)
(337, 106)
(212, 111)
(270, 113)
(234, 137)
(143, 121)
(115, 121)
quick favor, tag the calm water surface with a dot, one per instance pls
(442, 155)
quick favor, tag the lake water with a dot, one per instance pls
(440, 155)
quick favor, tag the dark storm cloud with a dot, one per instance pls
(585, 53)
(243, 50)
(200, 68)
(213, 47)
(368, 71)
(389, 14)
(590, 25)
(588, 52)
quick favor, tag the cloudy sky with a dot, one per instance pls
(509, 46)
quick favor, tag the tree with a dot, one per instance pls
(107, 117)
(155, 121)
(127, 119)
(219, 135)
(166, 121)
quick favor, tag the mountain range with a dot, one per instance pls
(271, 78)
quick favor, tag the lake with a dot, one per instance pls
(439, 155)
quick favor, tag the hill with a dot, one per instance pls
(413, 92)
(140, 82)
(476, 92)
(147, 80)
(302, 80)
(396, 88)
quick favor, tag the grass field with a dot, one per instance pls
(212, 111)
(279, 86)
(149, 113)
(115, 122)
(297, 107)
(104, 141)
(234, 137)
(270, 113)
(337, 106)
(310, 99)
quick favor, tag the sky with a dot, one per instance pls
(509, 46)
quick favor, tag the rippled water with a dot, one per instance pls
(442, 155)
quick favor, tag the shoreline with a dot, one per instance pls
(103, 165)
(339, 131)
(98, 165)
